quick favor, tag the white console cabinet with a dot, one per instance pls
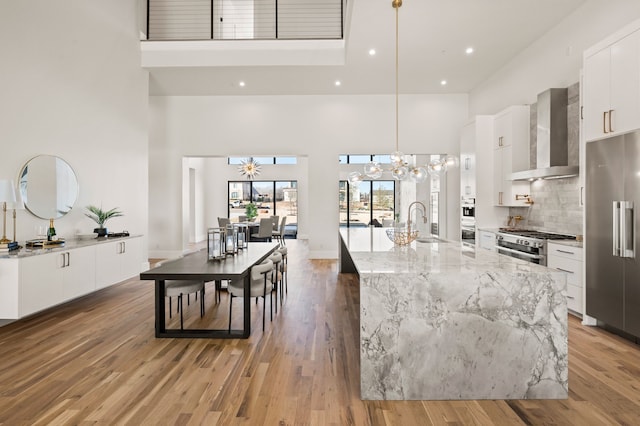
(118, 260)
(37, 280)
(54, 278)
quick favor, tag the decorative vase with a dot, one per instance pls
(102, 232)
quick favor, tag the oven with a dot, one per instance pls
(468, 237)
(532, 256)
(529, 245)
(532, 250)
(468, 206)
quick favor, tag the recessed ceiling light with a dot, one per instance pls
(443, 82)
(372, 52)
(241, 84)
(469, 50)
(338, 83)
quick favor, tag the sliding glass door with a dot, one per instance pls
(366, 202)
(272, 198)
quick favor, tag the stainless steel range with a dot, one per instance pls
(527, 245)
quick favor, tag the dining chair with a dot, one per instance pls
(275, 220)
(265, 231)
(173, 288)
(283, 270)
(276, 274)
(279, 233)
(260, 286)
(223, 222)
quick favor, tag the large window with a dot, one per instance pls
(273, 198)
(361, 203)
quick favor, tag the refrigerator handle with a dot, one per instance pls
(616, 228)
(627, 219)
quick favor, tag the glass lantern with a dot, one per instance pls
(231, 240)
(243, 235)
(216, 240)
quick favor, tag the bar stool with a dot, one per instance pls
(173, 288)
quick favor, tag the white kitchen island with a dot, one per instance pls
(439, 321)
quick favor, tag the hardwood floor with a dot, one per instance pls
(96, 361)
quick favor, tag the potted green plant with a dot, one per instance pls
(251, 211)
(100, 216)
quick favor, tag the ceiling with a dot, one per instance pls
(433, 36)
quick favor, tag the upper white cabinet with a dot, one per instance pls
(510, 154)
(468, 161)
(611, 79)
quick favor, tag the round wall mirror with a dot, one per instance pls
(48, 186)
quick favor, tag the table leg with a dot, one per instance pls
(246, 332)
(160, 316)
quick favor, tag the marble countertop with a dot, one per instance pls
(569, 243)
(68, 245)
(373, 252)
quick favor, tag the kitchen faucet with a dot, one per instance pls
(423, 211)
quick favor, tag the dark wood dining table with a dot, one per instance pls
(197, 266)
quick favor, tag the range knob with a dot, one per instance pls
(526, 243)
(518, 241)
(499, 237)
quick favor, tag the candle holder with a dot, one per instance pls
(231, 240)
(216, 243)
(243, 235)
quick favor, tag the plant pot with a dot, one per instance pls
(102, 232)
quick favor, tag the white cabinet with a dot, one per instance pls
(568, 259)
(33, 282)
(510, 154)
(468, 161)
(117, 261)
(612, 87)
(487, 240)
(53, 278)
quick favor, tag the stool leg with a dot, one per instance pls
(230, 306)
(170, 307)
(181, 309)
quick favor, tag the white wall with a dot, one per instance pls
(555, 59)
(72, 86)
(318, 128)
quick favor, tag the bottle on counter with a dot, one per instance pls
(51, 232)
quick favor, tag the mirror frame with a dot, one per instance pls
(34, 209)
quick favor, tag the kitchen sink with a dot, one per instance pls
(430, 240)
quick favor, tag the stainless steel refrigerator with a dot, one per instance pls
(612, 199)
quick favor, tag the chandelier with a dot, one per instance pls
(400, 169)
(249, 168)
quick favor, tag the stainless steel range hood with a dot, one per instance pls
(551, 151)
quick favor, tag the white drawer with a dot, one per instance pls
(572, 267)
(574, 298)
(564, 251)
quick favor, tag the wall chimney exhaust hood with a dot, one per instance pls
(551, 151)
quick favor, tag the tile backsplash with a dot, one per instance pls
(556, 205)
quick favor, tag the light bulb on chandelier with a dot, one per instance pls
(400, 169)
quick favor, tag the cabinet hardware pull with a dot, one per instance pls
(604, 122)
(566, 252)
(68, 258)
(610, 126)
(564, 270)
(582, 195)
(124, 247)
(570, 297)
(466, 163)
(582, 113)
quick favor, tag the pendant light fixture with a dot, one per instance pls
(249, 168)
(400, 169)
